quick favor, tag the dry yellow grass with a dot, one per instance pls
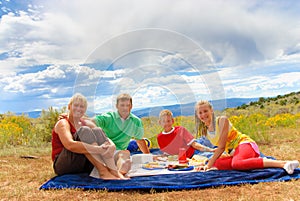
(21, 178)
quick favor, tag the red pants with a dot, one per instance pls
(244, 158)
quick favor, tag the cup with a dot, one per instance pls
(182, 155)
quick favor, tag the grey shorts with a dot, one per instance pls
(67, 162)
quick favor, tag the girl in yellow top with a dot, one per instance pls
(222, 134)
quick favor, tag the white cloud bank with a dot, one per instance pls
(254, 45)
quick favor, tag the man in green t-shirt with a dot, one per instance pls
(120, 127)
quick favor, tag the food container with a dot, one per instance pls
(141, 158)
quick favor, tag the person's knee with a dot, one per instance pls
(124, 154)
(85, 134)
(83, 130)
(100, 135)
(97, 129)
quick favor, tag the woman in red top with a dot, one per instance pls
(79, 146)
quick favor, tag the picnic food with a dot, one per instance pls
(178, 166)
(198, 160)
(154, 165)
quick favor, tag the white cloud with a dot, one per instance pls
(262, 86)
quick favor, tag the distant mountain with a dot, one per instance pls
(36, 114)
(32, 114)
(177, 110)
(188, 109)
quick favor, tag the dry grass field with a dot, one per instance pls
(20, 178)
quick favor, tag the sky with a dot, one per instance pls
(160, 52)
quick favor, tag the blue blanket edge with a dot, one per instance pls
(188, 181)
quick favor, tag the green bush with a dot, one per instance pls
(45, 123)
(22, 130)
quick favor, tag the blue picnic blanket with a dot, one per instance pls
(193, 180)
(190, 180)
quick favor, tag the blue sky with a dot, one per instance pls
(161, 52)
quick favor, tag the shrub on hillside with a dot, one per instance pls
(283, 120)
(252, 125)
(16, 130)
(45, 123)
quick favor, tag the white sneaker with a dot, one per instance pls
(290, 166)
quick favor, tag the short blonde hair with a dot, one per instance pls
(78, 97)
(165, 113)
(124, 97)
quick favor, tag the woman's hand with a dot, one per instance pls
(205, 168)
